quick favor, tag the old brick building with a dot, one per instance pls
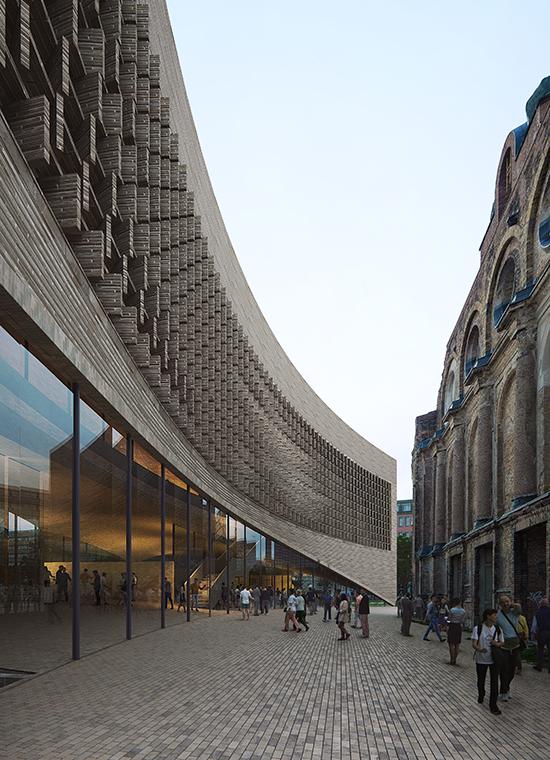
(481, 460)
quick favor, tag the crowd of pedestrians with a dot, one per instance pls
(497, 639)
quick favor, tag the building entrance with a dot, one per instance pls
(530, 568)
(484, 579)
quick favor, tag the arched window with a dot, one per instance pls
(472, 349)
(505, 289)
(450, 393)
(504, 182)
(544, 217)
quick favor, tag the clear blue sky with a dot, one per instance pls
(353, 149)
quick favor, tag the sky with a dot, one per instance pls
(353, 149)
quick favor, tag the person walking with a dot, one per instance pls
(541, 632)
(311, 601)
(457, 615)
(264, 601)
(257, 597)
(327, 606)
(290, 612)
(508, 619)
(406, 615)
(356, 620)
(246, 596)
(301, 609)
(523, 631)
(196, 588)
(432, 617)
(182, 601)
(97, 587)
(487, 636)
(364, 612)
(343, 617)
(168, 594)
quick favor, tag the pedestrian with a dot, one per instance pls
(134, 586)
(301, 609)
(541, 632)
(457, 615)
(182, 600)
(224, 597)
(486, 638)
(168, 594)
(419, 613)
(356, 620)
(364, 612)
(432, 618)
(62, 579)
(196, 588)
(290, 612)
(264, 601)
(327, 605)
(246, 596)
(523, 630)
(507, 619)
(406, 614)
(97, 587)
(311, 601)
(257, 596)
(343, 617)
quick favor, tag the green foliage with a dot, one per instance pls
(404, 562)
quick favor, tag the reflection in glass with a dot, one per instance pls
(36, 425)
(102, 531)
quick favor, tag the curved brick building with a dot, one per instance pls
(149, 416)
(481, 462)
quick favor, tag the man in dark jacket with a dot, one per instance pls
(541, 628)
(364, 611)
(406, 614)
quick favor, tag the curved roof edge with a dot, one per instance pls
(262, 338)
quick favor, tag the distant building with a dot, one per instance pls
(405, 517)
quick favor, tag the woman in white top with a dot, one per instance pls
(485, 637)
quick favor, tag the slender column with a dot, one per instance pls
(162, 546)
(209, 558)
(244, 557)
(76, 523)
(525, 427)
(227, 561)
(427, 505)
(188, 552)
(458, 476)
(129, 483)
(483, 475)
(440, 507)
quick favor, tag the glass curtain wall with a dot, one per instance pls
(199, 552)
(146, 552)
(36, 426)
(102, 531)
(176, 545)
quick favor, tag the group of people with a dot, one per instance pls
(352, 609)
(497, 639)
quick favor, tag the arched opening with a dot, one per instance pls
(450, 393)
(505, 289)
(471, 354)
(504, 182)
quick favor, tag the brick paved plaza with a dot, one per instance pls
(224, 689)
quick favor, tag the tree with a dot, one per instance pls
(404, 563)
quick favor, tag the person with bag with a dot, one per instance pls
(508, 619)
(487, 640)
(343, 617)
(523, 630)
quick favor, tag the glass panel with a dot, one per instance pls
(35, 512)
(102, 531)
(199, 553)
(176, 543)
(146, 580)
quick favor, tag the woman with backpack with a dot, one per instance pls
(487, 638)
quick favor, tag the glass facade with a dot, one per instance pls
(202, 542)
